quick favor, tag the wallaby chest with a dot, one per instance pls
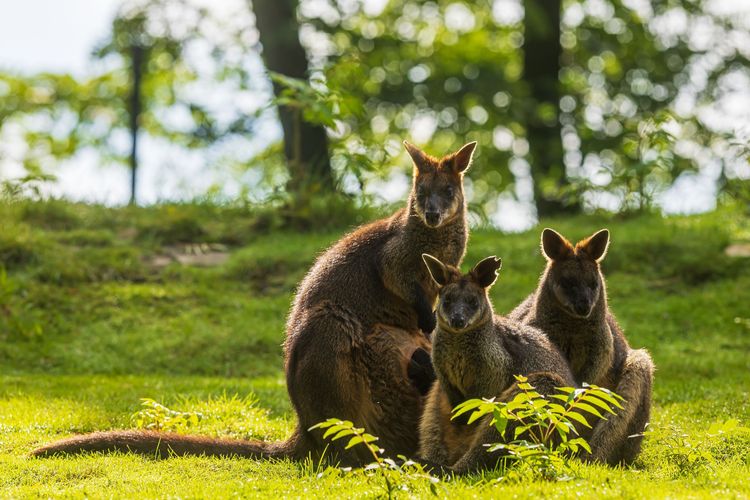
(476, 364)
(589, 350)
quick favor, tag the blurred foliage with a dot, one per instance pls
(627, 64)
(635, 76)
(352, 157)
(637, 80)
(424, 65)
(186, 51)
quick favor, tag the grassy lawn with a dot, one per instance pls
(92, 320)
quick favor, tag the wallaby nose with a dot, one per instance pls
(432, 217)
(582, 309)
(458, 321)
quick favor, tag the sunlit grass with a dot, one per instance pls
(208, 341)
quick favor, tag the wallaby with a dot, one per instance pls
(570, 307)
(353, 349)
(476, 354)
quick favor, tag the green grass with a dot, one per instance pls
(89, 325)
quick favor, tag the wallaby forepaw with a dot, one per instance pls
(427, 323)
(420, 371)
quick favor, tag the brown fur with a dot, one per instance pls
(476, 354)
(340, 359)
(570, 307)
(163, 445)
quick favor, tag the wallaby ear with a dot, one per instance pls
(596, 245)
(485, 272)
(420, 158)
(462, 158)
(437, 269)
(555, 246)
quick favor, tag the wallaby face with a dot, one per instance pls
(438, 184)
(463, 301)
(573, 271)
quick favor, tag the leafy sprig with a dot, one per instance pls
(544, 432)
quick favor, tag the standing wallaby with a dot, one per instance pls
(570, 307)
(341, 360)
(476, 354)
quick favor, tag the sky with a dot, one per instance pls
(52, 35)
(58, 35)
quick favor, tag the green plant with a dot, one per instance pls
(27, 186)
(392, 473)
(352, 154)
(690, 453)
(541, 429)
(156, 416)
(18, 318)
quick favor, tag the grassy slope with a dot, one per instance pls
(88, 326)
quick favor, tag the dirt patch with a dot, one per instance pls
(738, 250)
(192, 254)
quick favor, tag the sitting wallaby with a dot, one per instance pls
(341, 360)
(476, 354)
(570, 307)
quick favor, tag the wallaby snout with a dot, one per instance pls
(457, 321)
(583, 308)
(432, 217)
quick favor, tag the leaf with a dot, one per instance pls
(561, 397)
(520, 429)
(497, 446)
(369, 438)
(353, 441)
(501, 423)
(582, 443)
(331, 430)
(579, 418)
(466, 406)
(590, 409)
(325, 424)
(730, 425)
(341, 433)
(609, 397)
(556, 408)
(474, 417)
(590, 398)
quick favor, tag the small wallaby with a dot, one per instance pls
(353, 348)
(570, 307)
(476, 354)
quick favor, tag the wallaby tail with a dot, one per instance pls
(166, 444)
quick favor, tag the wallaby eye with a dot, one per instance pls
(473, 303)
(449, 191)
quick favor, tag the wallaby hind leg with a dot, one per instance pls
(326, 379)
(432, 446)
(396, 399)
(632, 446)
(477, 457)
(442, 441)
(610, 443)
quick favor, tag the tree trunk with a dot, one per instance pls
(542, 52)
(136, 55)
(305, 144)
